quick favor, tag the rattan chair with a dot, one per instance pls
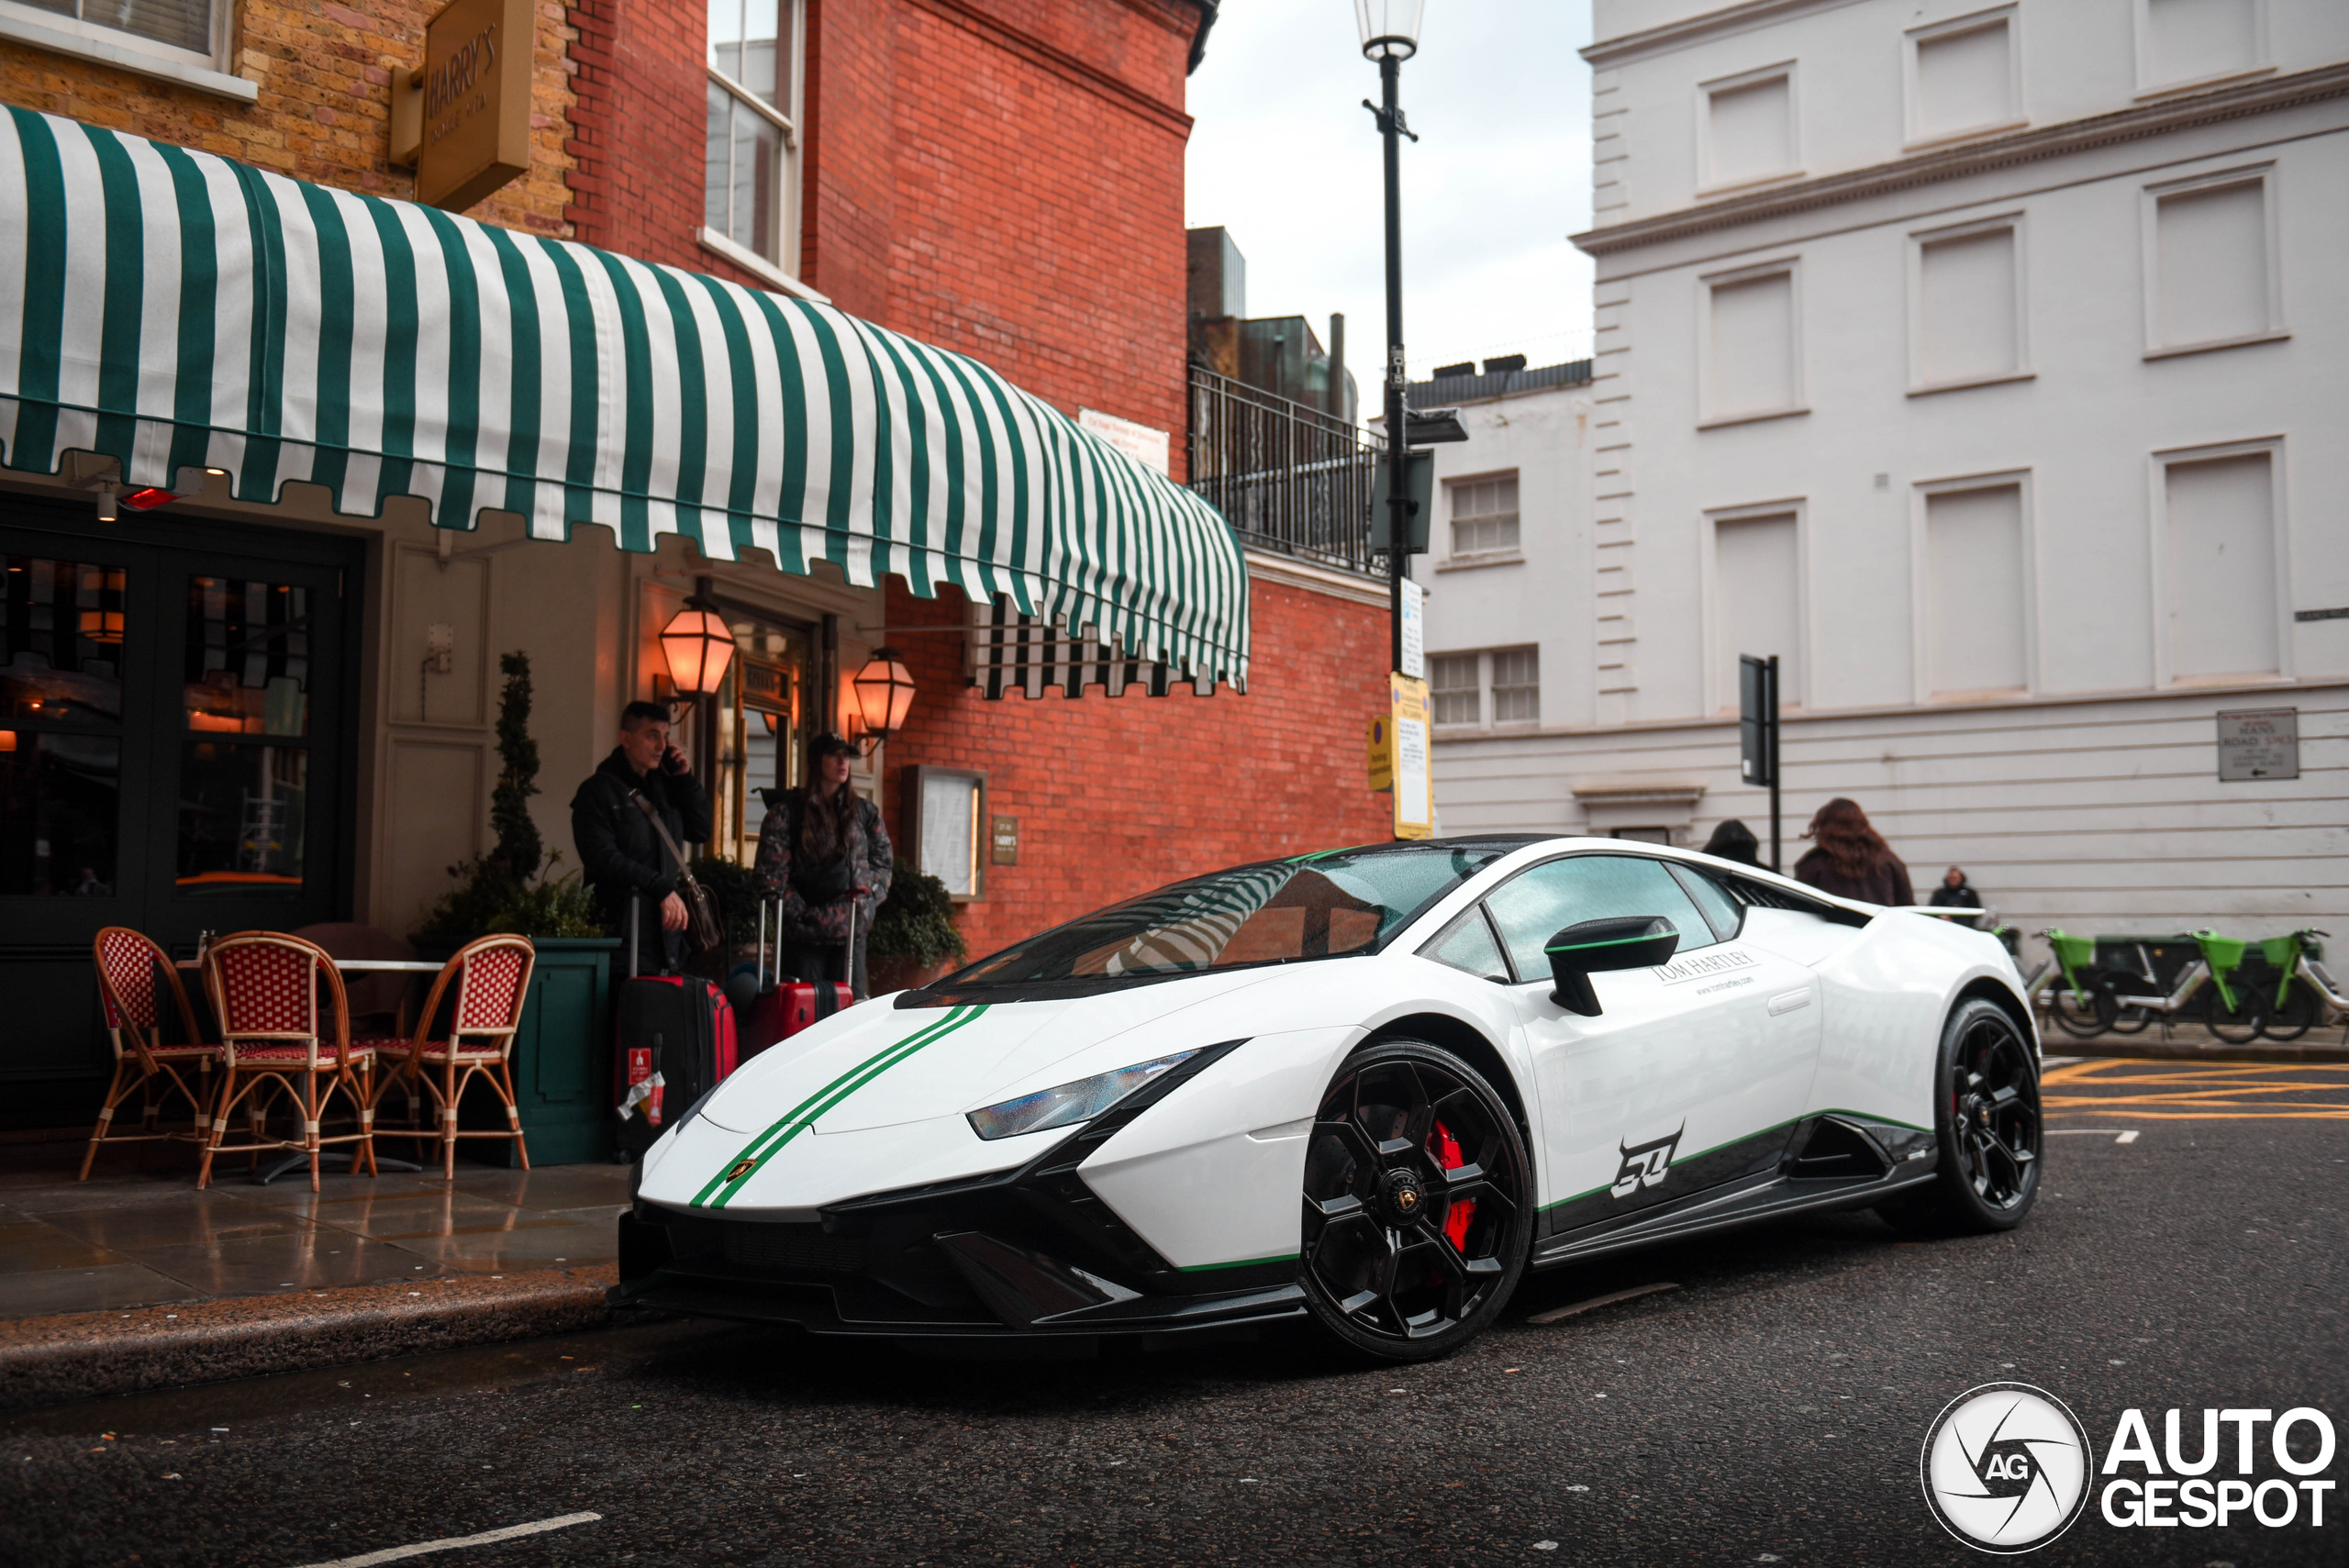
(265, 988)
(128, 964)
(492, 976)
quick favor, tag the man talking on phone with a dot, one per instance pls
(619, 853)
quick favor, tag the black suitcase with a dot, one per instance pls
(674, 1041)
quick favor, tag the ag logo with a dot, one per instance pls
(2006, 1467)
(1646, 1164)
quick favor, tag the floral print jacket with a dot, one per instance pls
(821, 923)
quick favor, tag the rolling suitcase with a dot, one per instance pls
(675, 1040)
(783, 1008)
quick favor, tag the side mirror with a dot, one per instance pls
(1619, 941)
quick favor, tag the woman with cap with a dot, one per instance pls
(822, 850)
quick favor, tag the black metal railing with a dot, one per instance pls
(1287, 476)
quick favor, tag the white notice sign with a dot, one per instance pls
(2259, 743)
(1139, 442)
(1415, 662)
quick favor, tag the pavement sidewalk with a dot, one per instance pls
(136, 1279)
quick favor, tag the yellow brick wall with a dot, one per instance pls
(325, 74)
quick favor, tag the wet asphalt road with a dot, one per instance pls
(1769, 1409)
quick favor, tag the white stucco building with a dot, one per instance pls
(1989, 365)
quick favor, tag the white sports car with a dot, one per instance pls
(1372, 1086)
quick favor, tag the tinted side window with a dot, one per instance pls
(1467, 943)
(1723, 911)
(1539, 902)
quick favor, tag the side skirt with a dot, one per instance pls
(1765, 1200)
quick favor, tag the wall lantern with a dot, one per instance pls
(698, 647)
(1389, 26)
(884, 692)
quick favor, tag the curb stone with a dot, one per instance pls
(89, 1355)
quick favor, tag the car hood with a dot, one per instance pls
(879, 1065)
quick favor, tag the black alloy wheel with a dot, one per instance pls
(1987, 1124)
(1418, 1212)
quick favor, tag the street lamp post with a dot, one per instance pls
(1390, 35)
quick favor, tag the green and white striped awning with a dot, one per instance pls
(172, 309)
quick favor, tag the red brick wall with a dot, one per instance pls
(1116, 796)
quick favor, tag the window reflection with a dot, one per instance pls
(243, 810)
(248, 657)
(59, 796)
(62, 624)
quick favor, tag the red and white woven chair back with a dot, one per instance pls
(495, 978)
(126, 985)
(265, 989)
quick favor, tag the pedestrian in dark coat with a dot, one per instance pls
(1852, 860)
(1733, 841)
(1955, 892)
(620, 855)
(821, 848)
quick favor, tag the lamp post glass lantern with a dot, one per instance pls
(699, 647)
(1389, 26)
(884, 693)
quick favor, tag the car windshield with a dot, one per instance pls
(1324, 905)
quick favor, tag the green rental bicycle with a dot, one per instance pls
(2083, 1006)
(2209, 986)
(2305, 994)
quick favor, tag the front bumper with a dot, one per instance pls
(1021, 1253)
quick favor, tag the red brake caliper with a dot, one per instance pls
(1446, 1150)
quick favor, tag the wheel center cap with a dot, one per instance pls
(1406, 1199)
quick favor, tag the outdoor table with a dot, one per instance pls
(269, 1173)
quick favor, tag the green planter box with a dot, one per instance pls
(563, 1060)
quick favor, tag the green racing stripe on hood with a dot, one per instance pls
(802, 1116)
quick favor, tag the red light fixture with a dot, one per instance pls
(146, 499)
(699, 647)
(884, 693)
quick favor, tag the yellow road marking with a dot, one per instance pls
(2246, 1091)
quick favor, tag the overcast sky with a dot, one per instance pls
(1285, 156)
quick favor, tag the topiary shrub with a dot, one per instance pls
(916, 922)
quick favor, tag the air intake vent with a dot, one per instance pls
(1837, 1151)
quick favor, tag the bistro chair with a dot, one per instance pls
(492, 976)
(264, 987)
(128, 964)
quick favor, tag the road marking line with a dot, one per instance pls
(449, 1543)
(2118, 1135)
(2127, 1137)
(1555, 1313)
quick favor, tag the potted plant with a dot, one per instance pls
(914, 938)
(562, 1053)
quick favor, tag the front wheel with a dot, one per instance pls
(2239, 1023)
(2083, 1013)
(2297, 1016)
(1985, 1123)
(1419, 1204)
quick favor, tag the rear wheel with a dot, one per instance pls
(2085, 1012)
(1985, 1123)
(2239, 1023)
(1418, 1212)
(2297, 1016)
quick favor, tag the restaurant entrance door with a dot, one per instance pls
(175, 758)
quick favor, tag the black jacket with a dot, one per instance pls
(1887, 884)
(619, 852)
(1962, 897)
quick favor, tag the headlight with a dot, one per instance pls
(1065, 1104)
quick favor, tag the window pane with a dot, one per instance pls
(1516, 685)
(758, 173)
(1723, 911)
(1452, 686)
(1752, 132)
(1468, 944)
(1963, 80)
(58, 800)
(715, 184)
(766, 53)
(248, 657)
(726, 37)
(62, 622)
(1533, 908)
(182, 24)
(242, 811)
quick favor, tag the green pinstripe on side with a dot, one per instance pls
(1235, 1264)
(802, 1116)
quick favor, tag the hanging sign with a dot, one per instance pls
(1414, 789)
(1382, 752)
(1415, 662)
(2259, 743)
(476, 89)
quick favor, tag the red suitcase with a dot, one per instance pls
(783, 1008)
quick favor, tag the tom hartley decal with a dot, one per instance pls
(1701, 965)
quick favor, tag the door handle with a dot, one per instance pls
(1789, 1002)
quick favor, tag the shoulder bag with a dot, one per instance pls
(703, 930)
